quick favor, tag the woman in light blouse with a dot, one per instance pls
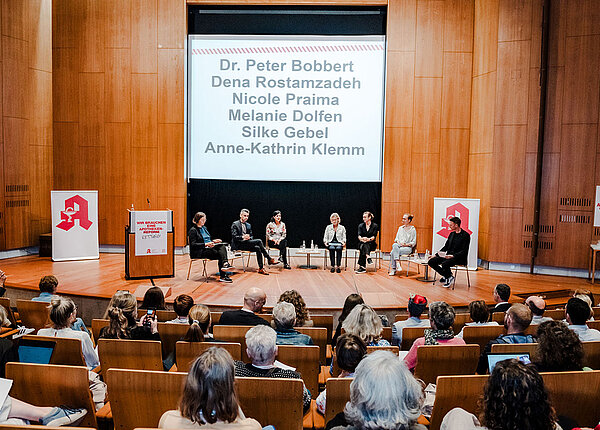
(335, 239)
(405, 241)
(276, 237)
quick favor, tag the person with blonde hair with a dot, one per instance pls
(363, 322)
(302, 315)
(209, 397)
(199, 320)
(334, 240)
(404, 243)
(122, 312)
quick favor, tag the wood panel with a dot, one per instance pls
(170, 85)
(577, 160)
(512, 83)
(514, 20)
(505, 236)
(118, 23)
(15, 19)
(396, 165)
(91, 109)
(40, 108)
(401, 28)
(425, 172)
(144, 28)
(65, 84)
(429, 39)
(485, 37)
(427, 115)
(533, 110)
(65, 144)
(16, 138)
(508, 166)
(117, 85)
(144, 122)
(171, 142)
(66, 23)
(145, 176)
(480, 186)
(91, 36)
(40, 34)
(456, 90)
(15, 73)
(454, 156)
(400, 82)
(171, 24)
(458, 25)
(482, 113)
(552, 129)
(583, 18)
(118, 149)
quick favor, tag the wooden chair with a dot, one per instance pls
(402, 317)
(594, 324)
(272, 401)
(555, 314)
(514, 348)
(306, 361)
(215, 317)
(591, 354)
(97, 325)
(438, 360)
(324, 321)
(392, 349)
(344, 256)
(204, 273)
(240, 253)
(187, 352)
(33, 314)
(52, 385)
(66, 351)
(338, 394)
(162, 315)
(319, 337)
(459, 321)
(5, 301)
(456, 391)
(464, 267)
(129, 354)
(170, 333)
(575, 395)
(139, 398)
(386, 333)
(498, 317)
(481, 335)
(233, 334)
(38, 427)
(409, 335)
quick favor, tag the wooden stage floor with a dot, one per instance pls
(320, 289)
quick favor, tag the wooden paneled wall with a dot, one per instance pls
(25, 121)
(119, 106)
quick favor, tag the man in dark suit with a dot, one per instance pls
(254, 300)
(241, 238)
(455, 251)
(501, 296)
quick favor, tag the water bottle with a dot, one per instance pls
(312, 245)
(303, 247)
(427, 255)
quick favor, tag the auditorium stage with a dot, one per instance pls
(321, 289)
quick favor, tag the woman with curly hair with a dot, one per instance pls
(514, 397)
(302, 316)
(559, 348)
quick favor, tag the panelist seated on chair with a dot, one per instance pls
(335, 240)
(455, 251)
(254, 300)
(276, 235)
(367, 236)
(202, 246)
(241, 238)
(404, 243)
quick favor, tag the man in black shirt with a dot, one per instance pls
(455, 251)
(254, 300)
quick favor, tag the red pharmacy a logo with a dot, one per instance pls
(76, 208)
(459, 210)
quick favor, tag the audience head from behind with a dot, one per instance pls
(478, 311)
(375, 403)
(122, 312)
(577, 311)
(284, 316)
(261, 345)
(416, 305)
(209, 394)
(199, 319)
(154, 299)
(254, 299)
(364, 322)
(294, 297)
(48, 284)
(536, 304)
(63, 312)
(580, 292)
(182, 305)
(558, 349)
(349, 351)
(515, 398)
(517, 318)
(501, 293)
(441, 315)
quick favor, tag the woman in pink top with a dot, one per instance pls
(441, 315)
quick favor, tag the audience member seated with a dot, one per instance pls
(63, 313)
(588, 297)
(261, 347)
(209, 397)
(48, 286)
(501, 296)
(366, 324)
(383, 395)
(154, 299)
(182, 305)
(416, 306)
(349, 351)
(480, 314)
(15, 412)
(8, 350)
(302, 315)
(578, 312)
(558, 348)
(122, 314)
(441, 315)
(516, 320)
(514, 398)
(284, 318)
(537, 305)
(254, 300)
(199, 320)
(351, 301)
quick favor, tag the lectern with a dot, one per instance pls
(158, 263)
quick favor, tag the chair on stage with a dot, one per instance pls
(204, 272)
(376, 251)
(33, 314)
(464, 267)
(305, 358)
(344, 256)
(268, 248)
(438, 360)
(481, 335)
(187, 352)
(407, 258)
(129, 354)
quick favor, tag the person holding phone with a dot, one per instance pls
(203, 246)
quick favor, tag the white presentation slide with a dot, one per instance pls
(286, 108)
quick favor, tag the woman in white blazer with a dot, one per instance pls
(404, 243)
(335, 239)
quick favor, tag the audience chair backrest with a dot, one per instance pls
(233, 334)
(170, 333)
(319, 337)
(456, 392)
(5, 301)
(594, 324)
(306, 361)
(459, 321)
(162, 315)
(481, 335)
(129, 354)
(39, 427)
(53, 385)
(403, 317)
(591, 355)
(575, 395)
(325, 321)
(515, 348)
(66, 351)
(409, 335)
(97, 325)
(443, 360)
(187, 352)
(139, 398)
(555, 314)
(33, 314)
(215, 317)
(393, 349)
(338, 394)
(498, 317)
(272, 401)
(386, 333)
(532, 330)
(266, 317)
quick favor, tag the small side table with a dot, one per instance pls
(424, 263)
(308, 253)
(594, 248)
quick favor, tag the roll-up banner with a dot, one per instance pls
(468, 212)
(74, 225)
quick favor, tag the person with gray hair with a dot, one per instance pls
(441, 316)
(375, 403)
(284, 319)
(261, 348)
